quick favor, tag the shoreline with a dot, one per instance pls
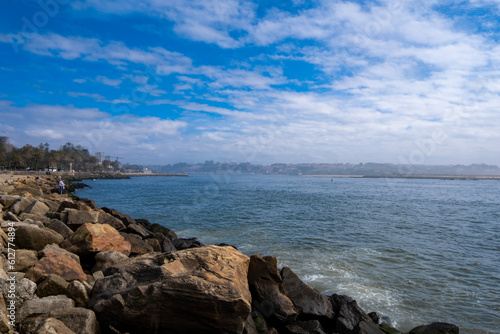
(257, 282)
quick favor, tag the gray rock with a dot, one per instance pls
(11, 216)
(104, 260)
(139, 230)
(21, 204)
(37, 208)
(53, 285)
(25, 259)
(165, 243)
(43, 306)
(106, 218)
(33, 237)
(78, 292)
(8, 200)
(76, 218)
(139, 246)
(59, 227)
(25, 290)
(351, 318)
(79, 320)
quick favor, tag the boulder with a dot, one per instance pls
(55, 249)
(53, 285)
(139, 230)
(127, 220)
(104, 260)
(94, 238)
(309, 303)
(436, 328)
(31, 216)
(21, 204)
(76, 218)
(53, 206)
(79, 320)
(57, 264)
(165, 243)
(11, 217)
(145, 223)
(67, 204)
(34, 237)
(266, 285)
(350, 318)
(157, 228)
(138, 246)
(25, 259)
(25, 290)
(200, 290)
(5, 326)
(42, 324)
(37, 208)
(42, 306)
(8, 200)
(155, 244)
(78, 292)
(33, 190)
(106, 218)
(186, 243)
(59, 227)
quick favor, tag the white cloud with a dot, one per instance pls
(109, 82)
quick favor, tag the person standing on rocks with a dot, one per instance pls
(61, 186)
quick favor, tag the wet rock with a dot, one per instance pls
(106, 218)
(95, 238)
(157, 228)
(266, 286)
(59, 227)
(145, 223)
(350, 318)
(138, 246)
(186, 243)
(145, 293)
(436, 328)
(309, 303)
(34, 237)
(42, 324)
(53, 285)
(37, 208)
(57, 264)
(25, 259)
(104, 260)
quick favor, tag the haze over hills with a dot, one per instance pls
(369, 169)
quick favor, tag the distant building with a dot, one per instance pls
(99, 155)
(4, 140)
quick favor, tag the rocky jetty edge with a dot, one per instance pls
(68, 266)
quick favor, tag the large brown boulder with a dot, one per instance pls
(200, 290)
(93, 238)
(57, 264)
(36, 238)
(266, 285)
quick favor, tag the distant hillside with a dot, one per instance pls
(210, 167)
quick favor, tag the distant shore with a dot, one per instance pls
(415, 176)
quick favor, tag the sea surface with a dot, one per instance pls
(417, 251)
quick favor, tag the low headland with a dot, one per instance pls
(68, 266)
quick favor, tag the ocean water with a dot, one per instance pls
(417, 251)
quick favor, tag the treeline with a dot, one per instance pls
(42, 157)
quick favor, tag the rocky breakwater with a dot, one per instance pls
(68, 266)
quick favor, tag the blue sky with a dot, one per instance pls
(414, 82)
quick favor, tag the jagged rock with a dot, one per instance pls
(77, 291)
(21, 204)
(104, 260)
(157, 228)
(145, 223)
(139, 230)
(309, 303)
(43, 306)
(53, 206)
(11, 216)
(436, 328)
(106, 218)
(305, 327)
(25, 259)
(165, 243)
(155, 244)
(186, 243)
(59, 227)
(79, 320)
(90, 203)
(34, 237)
(266, 286)
(8, 200)
(77, 218)
(53, 285)
(55, 249)
(67, 204)
(138, 246)
(42, 324)
(94, 238)
(204, 289)
(5, 327)
(350, 318)
(127, 220)
(57, 264)
(25, 290)
(37, 208)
